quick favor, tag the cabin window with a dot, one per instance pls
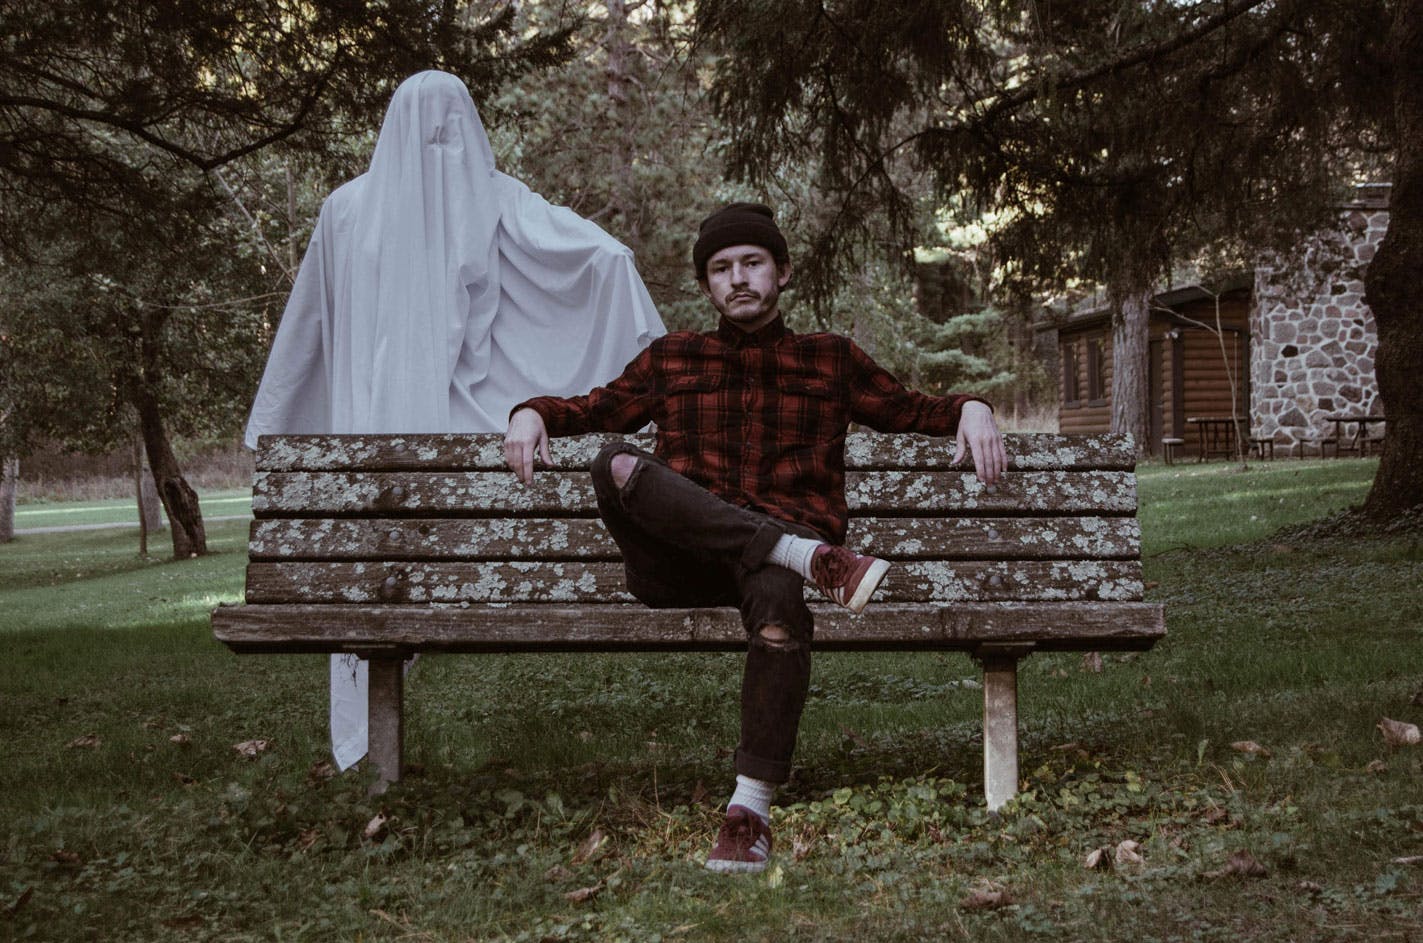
(1071, 375)
(1096, 372)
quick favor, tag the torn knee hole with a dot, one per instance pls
(622, 466)
(776, 638)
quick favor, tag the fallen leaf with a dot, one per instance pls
(1128, 853)
(250, 748)
(1251, 747)
(375, 826)
(181, 739)
(986, 896)
(190, 922)
(1097, 858)
(307, 838)
(584, 893)
(1241, 864)
(1092, 662)
(800, 848)
(20, 901)
(320, 771)
(1064, 747)
(557, 874)
(1376, 766)
(1409, 859)
(66, 858)
(1309, 887)
(1215, 815)
(1151, 584)
(699, 793)
(1397, 733)
(87, 742)
(590, 847)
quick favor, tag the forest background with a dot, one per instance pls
(942, 169)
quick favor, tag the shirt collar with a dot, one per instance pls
(767, 334)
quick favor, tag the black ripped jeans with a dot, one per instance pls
(685, 547)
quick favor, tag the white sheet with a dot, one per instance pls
(436, 293)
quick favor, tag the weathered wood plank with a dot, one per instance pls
(277, 494)
(485, 452)
(578, 581)
(963, 627)
(558, 539)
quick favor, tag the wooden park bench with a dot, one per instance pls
(386, 545)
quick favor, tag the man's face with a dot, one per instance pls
(744, 284)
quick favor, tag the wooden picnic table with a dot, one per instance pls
(1360, 439)
(1216, 435)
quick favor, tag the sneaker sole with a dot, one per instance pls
(735, 867)
(868, 584)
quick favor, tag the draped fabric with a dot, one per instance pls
(437, 293)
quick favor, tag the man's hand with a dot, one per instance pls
(525, 440)
(980, 433)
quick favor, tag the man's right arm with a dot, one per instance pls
(624, 405)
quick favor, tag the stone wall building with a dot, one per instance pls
(1312, 336)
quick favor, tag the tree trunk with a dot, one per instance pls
(180, 501)
(1130, 330)
(150, 509)
(9, 479)
(621, 55)
(1394, 290)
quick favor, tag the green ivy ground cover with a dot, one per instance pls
(572, 797)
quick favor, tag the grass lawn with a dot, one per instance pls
(569, 797)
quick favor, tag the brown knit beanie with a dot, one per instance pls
(738, 224)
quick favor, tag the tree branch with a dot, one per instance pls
(141, 131)
(1027, 93)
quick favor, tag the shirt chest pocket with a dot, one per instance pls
(808, 409)
(694, 404)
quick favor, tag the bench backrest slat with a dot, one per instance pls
(937, 538)
(455, 493)
(1107, 452)
(593, 581)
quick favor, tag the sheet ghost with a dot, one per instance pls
(436, 293)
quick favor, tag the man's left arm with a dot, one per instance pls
(880, 401)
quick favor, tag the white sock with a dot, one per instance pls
(754, 794)
(794, 554)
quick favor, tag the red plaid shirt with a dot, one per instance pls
(758, 419)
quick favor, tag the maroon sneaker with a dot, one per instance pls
(846, 577)
(743, 846)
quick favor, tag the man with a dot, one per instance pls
(744, 499)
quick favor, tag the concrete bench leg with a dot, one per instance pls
(1000, 730)
(387, 720)
(1000, 720)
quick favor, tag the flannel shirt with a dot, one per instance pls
(758, 419)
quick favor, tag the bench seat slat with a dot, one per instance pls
(580, 581)
(394, 629)
(559, 539)
(277, 494)
(485, 452)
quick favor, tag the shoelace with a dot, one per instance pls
(833, 567)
